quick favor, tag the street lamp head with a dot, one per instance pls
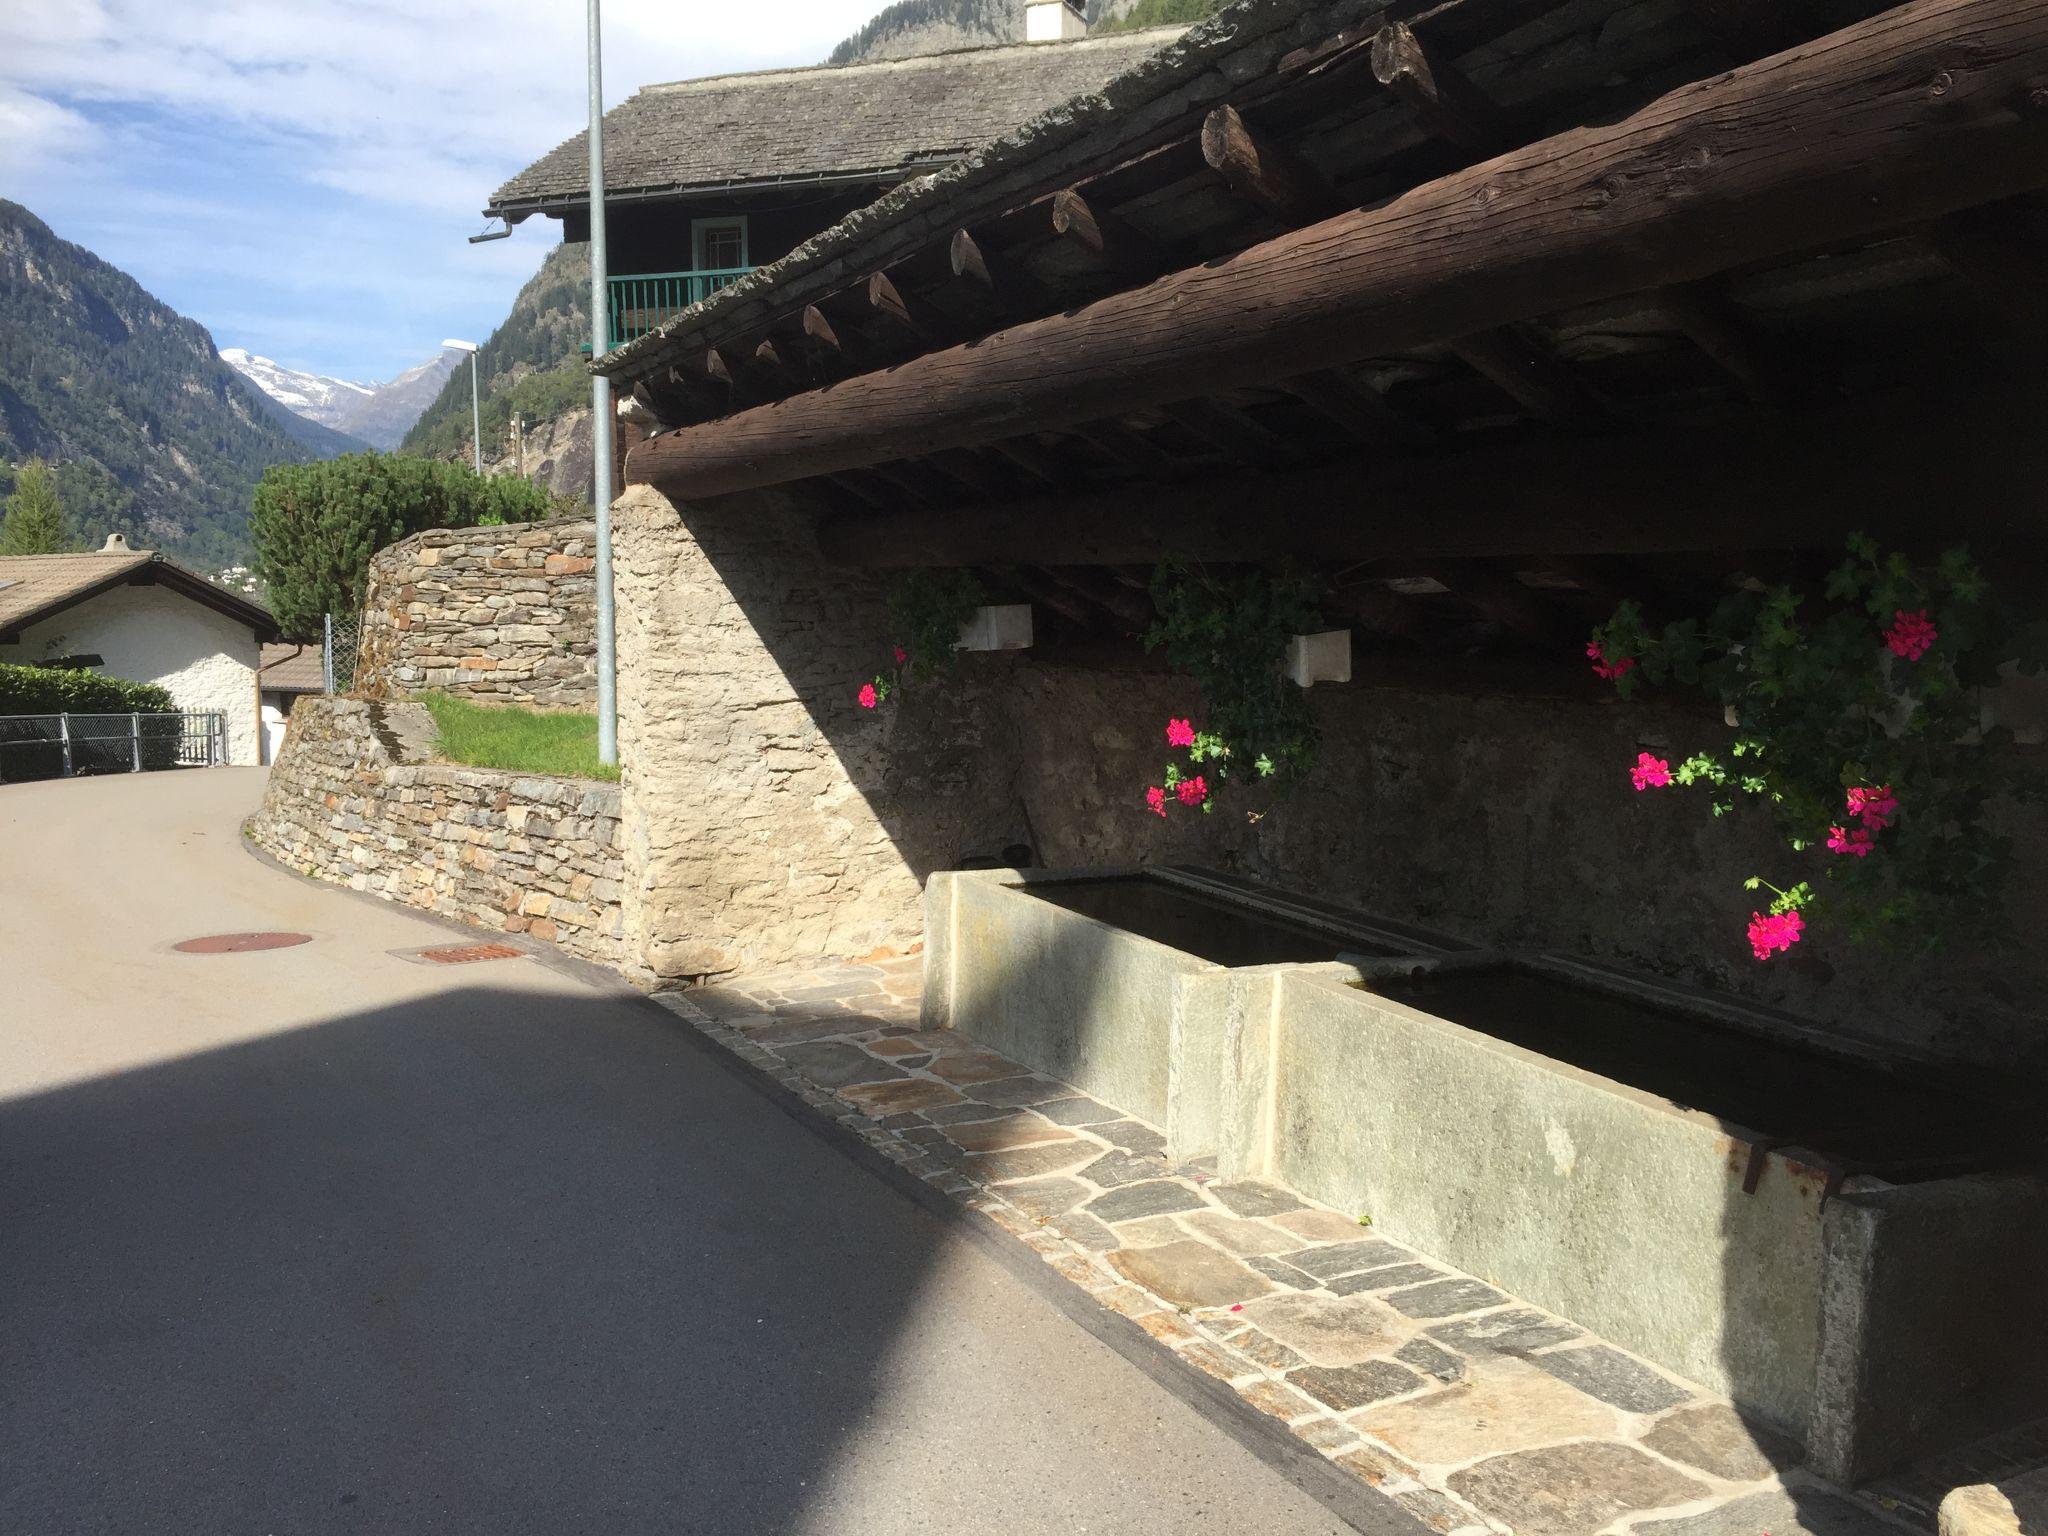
(460, 346)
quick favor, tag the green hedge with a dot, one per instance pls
(53, 691)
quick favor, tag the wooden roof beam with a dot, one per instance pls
(1436, 94)
(1538, 382)
(1129, 450)
(1357, 409)
(1820, 145)
(1229, 429)
(1107, 239)
(1769, 482)
(1703, 312)
(998, 280)
(1262, 170)
(832, 341)
(909, 312)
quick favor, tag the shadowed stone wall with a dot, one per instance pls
(769, 818)
(347, 802)
(502, 615)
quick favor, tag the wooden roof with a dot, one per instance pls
(1519, 474)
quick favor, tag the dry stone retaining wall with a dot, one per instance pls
(510, 851)
(502, 615)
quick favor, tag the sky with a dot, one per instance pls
(300, 175)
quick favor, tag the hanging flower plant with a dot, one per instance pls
(927, 610)
(1857, 722)
(1230, 634)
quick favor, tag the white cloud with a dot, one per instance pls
(339, 147)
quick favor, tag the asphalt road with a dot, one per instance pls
(322, 1239)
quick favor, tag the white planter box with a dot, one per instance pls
(1321, 658)
(1002, 627)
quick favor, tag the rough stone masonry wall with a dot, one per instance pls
(509, 851)
(771, 819)
(503, 615)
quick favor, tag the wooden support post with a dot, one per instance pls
(1108, 239)
(1262, 170)
(1441, 99)
(1833, 141)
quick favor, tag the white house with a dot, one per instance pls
(147, 619)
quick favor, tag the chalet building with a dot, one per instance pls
(1484, 314)
(706, 180)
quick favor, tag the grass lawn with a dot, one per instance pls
(525, 740)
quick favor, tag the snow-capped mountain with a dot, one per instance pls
(379, 414)
(326, 401)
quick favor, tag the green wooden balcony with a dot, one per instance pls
(643, 301)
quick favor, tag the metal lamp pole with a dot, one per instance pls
(601, 414)
(476, 409)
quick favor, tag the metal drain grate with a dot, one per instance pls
(469, 954)
(240, 943)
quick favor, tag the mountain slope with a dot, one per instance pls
(152, 433)
(388, 411)
(532, 370)
(311, 395)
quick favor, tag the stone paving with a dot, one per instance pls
(1471, 1409)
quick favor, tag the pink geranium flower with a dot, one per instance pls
(867, 695)
(901, 655)
(1911, 634)
(1155, 798)
(1192, 791)
(1768, 935)
(1874, 807)
(1649, 772)
(1180, 733)
(1858, 841)
(1602, 667)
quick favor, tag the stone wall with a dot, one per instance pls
(514, 852)
(503, 615)
(769, 818)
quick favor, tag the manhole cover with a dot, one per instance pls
(465, 954)
(238, 943)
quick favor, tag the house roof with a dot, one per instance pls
(848, 122)
(289, 667)
(36, 587)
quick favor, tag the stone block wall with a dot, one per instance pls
(769, 818)
(502, 615)
(509, 851)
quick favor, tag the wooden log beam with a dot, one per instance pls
(1262, 170)
(1357, 409)
(996, 278)
(1783, 482)
(1702, 311)
(1108, 240)
(1436, 95)
(912, 314)
(1129, 451)
(1225, 427)
(1926, 109)
(829, 339)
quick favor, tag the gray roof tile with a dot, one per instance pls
(883, 119)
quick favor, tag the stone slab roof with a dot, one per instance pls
(34, 587)
(289, 667)
(834, 122)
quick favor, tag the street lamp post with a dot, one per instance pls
(601, 424)
(476, 409)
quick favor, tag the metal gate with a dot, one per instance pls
(64, 746)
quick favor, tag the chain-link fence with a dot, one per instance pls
(61, 746)
(340, 638)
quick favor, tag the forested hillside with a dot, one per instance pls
(148, 430)
(532, 365)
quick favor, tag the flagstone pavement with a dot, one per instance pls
(1471, 1409)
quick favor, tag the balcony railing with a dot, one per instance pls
(643, 301)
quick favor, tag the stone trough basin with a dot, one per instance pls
(1846, 1243)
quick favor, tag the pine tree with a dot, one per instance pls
(34, 524)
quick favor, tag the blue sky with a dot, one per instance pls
(299, 175)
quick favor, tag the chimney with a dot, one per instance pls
(117, 544)
(1053, 21)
